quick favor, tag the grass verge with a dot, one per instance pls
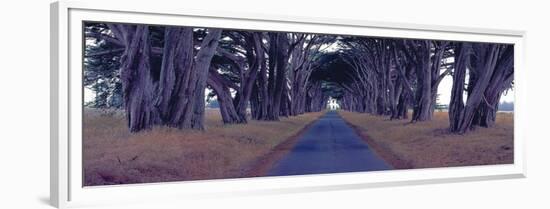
(429, 144)
(112, 155)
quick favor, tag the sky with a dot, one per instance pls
(446, 84)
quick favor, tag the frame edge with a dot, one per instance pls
(58, 119)
(54, 88)
(59, 193)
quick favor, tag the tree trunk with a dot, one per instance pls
(421, 111)
(440, 47)
(136, 78)
(260, 100)
(456, 104)
(486, 68)
(278, 59)
(500, 81)
(201, 67)
(256, 60)
(227, 109)
(176, 76)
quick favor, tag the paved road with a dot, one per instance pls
(329, 146)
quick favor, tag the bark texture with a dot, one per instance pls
(176, 97)
(490, 74)
(137, 85)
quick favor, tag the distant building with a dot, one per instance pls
(332, 104)
(506, 107)
(442, 107)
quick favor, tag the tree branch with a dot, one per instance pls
(105, 52)
(101, 36)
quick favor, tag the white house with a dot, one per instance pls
(332, 104)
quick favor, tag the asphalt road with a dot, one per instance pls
(329, 146)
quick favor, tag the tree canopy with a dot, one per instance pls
(159, 75)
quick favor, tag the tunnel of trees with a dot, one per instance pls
(161, 75)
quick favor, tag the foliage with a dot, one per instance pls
(101, 74)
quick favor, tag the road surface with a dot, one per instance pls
(328, 146)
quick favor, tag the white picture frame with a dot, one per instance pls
(66, 100)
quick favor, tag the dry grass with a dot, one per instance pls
(112, 155)
(429, 144)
